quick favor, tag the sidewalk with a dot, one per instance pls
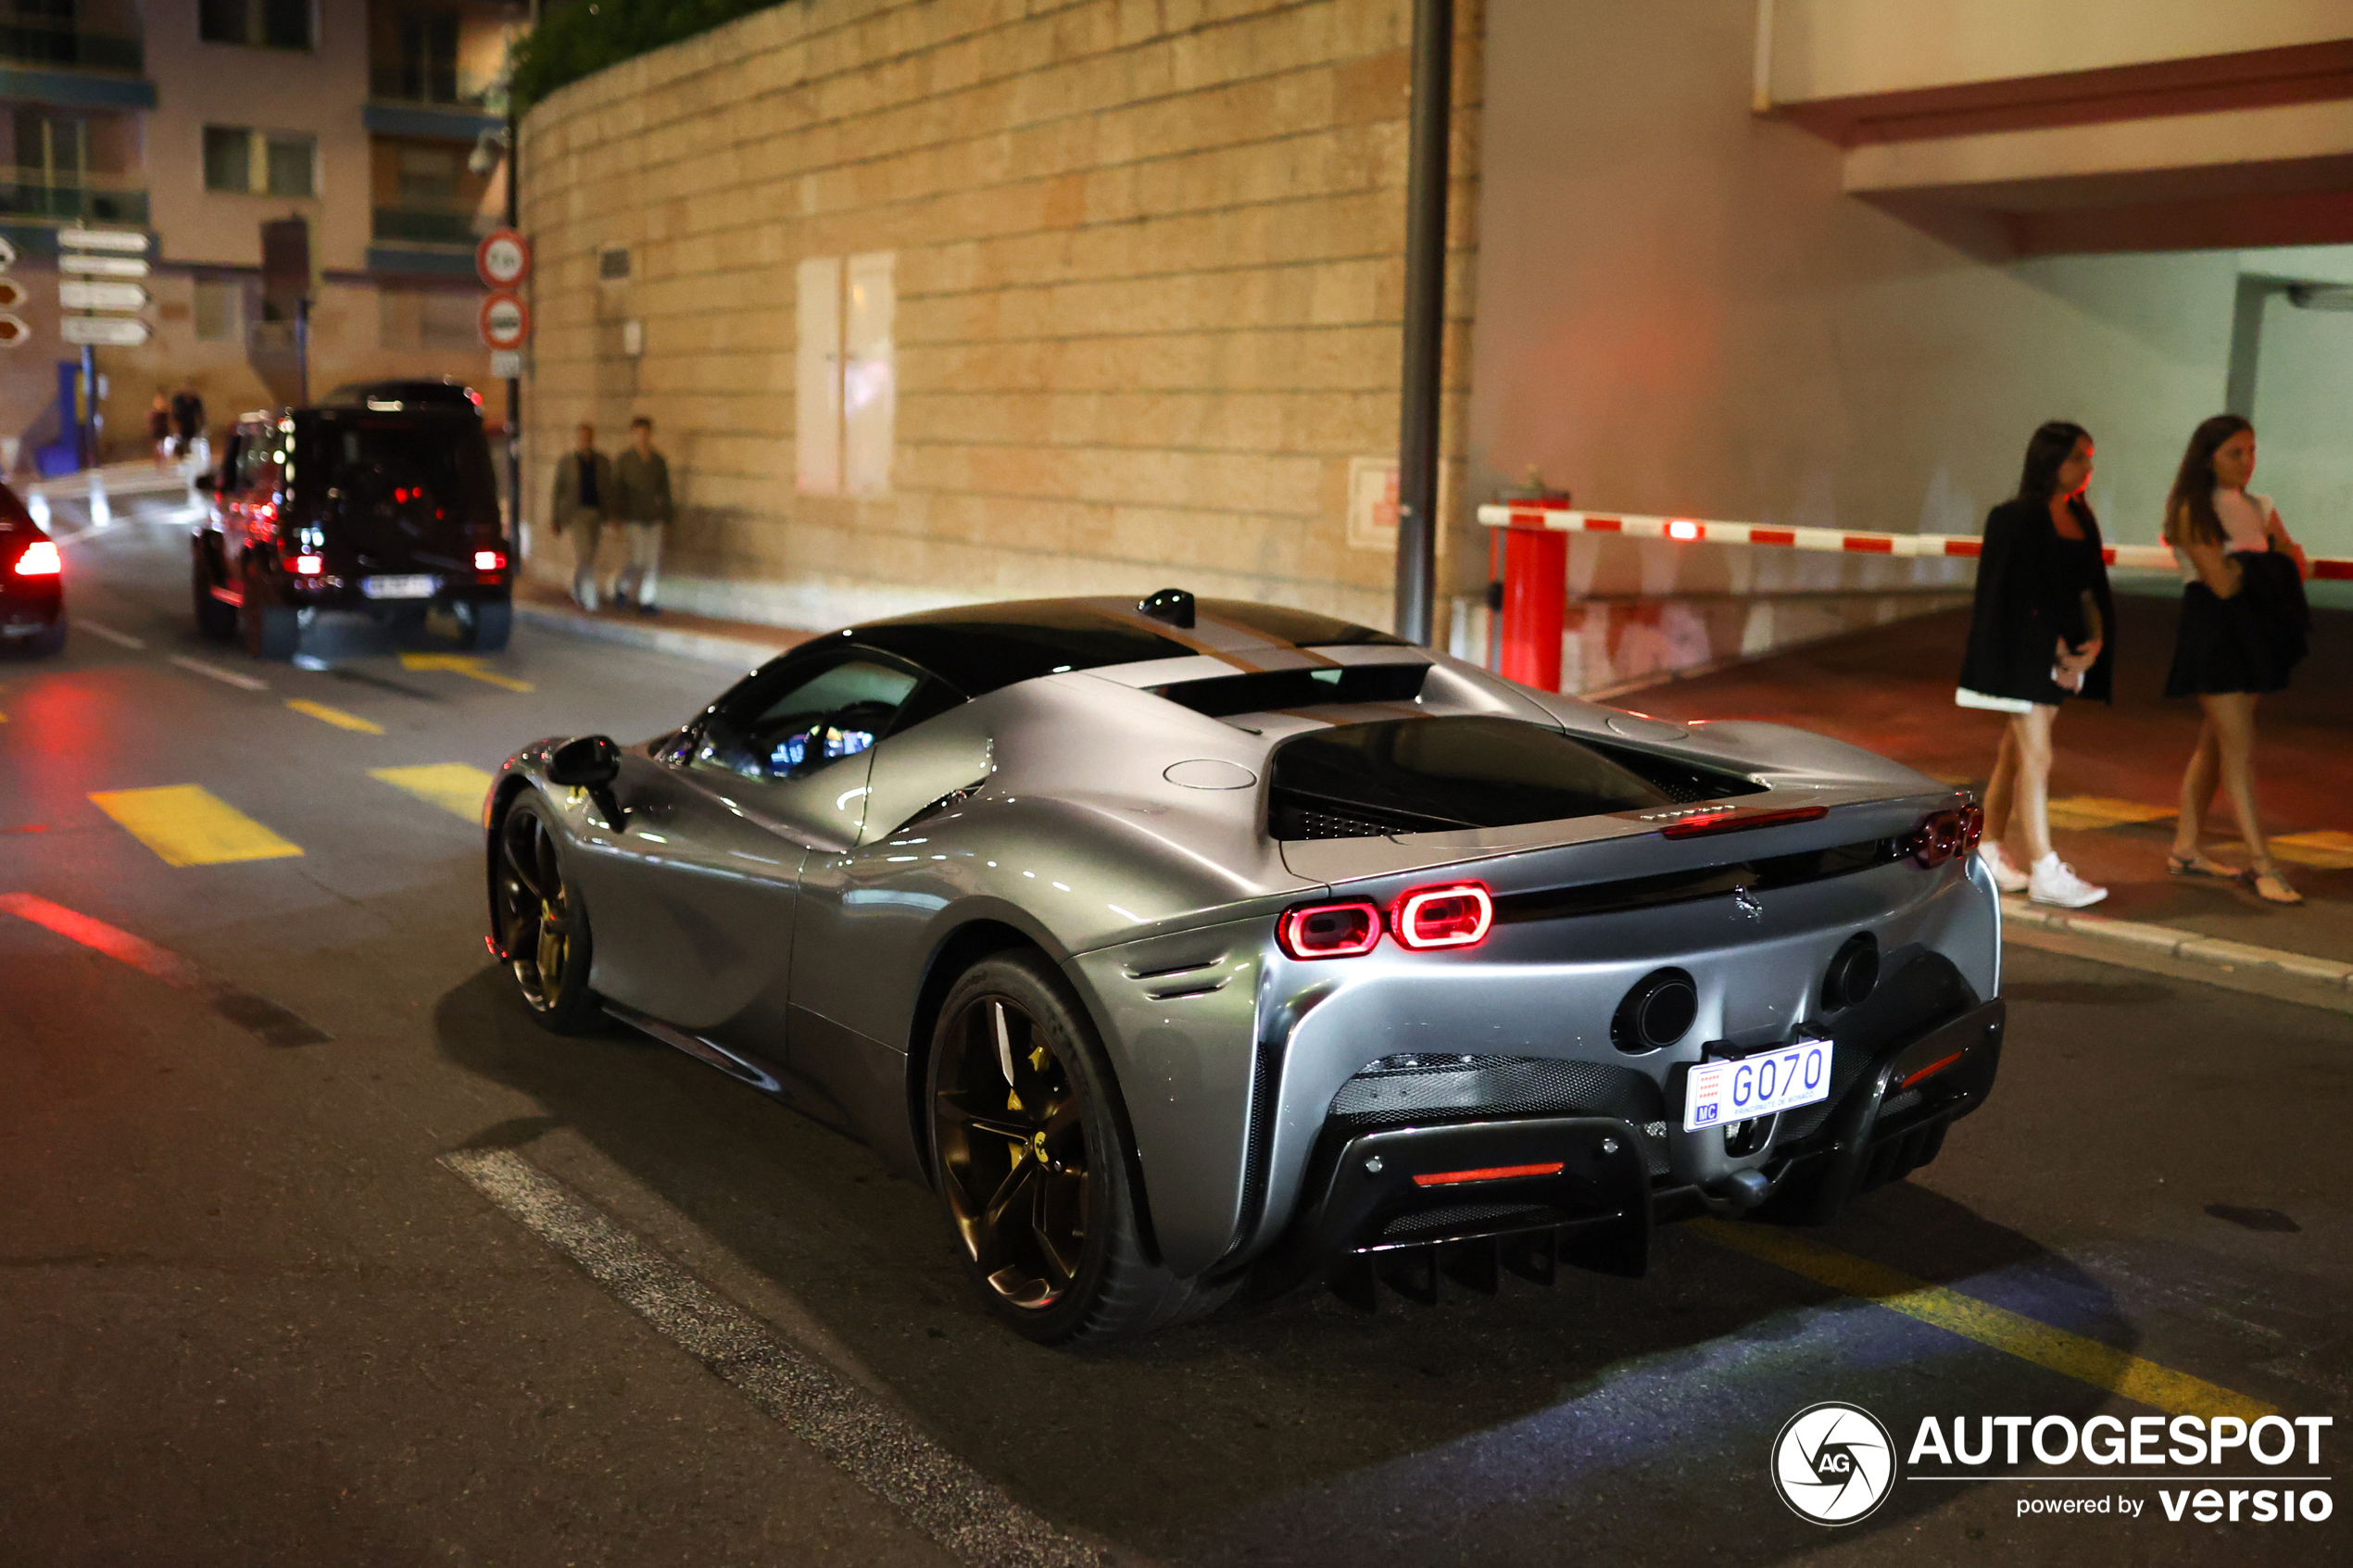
(2117, 772)
(733, 643)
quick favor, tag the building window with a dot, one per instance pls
(219, 310)
(427, 176)
(261, 24)
(260, 163)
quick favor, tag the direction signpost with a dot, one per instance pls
(98, 274)
(13, 330)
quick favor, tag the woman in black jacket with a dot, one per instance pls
(2039, 634)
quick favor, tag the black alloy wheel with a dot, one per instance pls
(543, 930)
(270, 631)
(215, 619)
(1030, 1152)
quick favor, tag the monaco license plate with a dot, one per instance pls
(1721, 1093)
(418, 587)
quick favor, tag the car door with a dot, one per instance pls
(692, 902)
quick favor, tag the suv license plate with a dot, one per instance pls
(400, 587)
(1721, 1093)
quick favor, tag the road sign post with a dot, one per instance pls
(503, 263)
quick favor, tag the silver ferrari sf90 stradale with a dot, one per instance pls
(1185, 947)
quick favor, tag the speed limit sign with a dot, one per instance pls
(503, 259)
(505, 321)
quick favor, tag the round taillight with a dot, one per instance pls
(1330, 931)
(1455, 916)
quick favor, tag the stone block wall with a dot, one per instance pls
(1149, 262)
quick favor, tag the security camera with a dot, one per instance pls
(489, 147)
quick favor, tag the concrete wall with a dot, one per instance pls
(1680, 312)
(2304, 409)
(1148, 265)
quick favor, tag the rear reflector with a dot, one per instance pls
(1491, 1173)
(40, 559)
(1931, 1070)
(1739, 819)
(1454, 916)
(1330, 931)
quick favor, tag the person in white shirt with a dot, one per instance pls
(2241, 631)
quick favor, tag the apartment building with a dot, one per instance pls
(199, 120)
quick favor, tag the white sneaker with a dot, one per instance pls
(2055, 882)
(2006, 877)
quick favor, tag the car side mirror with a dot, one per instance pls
(590, 762)
(587, 761)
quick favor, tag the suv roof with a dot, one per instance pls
(390, 397)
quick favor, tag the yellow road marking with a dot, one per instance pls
(463, 664)
(2102, 812)
(2088, 1360)
(336, 715)
(2327, 849)
(453, 787)
(188, 825)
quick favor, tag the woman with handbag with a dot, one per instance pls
(2243, 627)
(2039, 634)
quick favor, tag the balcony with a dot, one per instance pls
(27, 195)
(62, 46)
(428, 226)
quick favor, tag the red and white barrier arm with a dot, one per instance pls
(1534, 546)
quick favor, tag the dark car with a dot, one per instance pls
(387, 512)
(32, 595)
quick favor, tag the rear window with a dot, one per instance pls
(1432, 775)
(1275, 690)
(389, 460)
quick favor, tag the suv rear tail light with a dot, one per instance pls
(490, 560)
(1330, 931)
(1945, 835)
(1454, 916)
(40, 559)
(307, 566)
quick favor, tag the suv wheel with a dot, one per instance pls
(214, 618)
(484, 625)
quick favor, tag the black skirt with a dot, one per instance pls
(2246, 642)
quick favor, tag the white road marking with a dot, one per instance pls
(229, 677)
(938, 1493)
(83, 624)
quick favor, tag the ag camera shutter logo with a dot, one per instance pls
(1833, 1463)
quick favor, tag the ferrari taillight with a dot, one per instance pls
(1330, 931)
(1454, 916)
(1945, 835)
(40, 559)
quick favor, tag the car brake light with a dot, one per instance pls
(1330, 931)
(309, 566)
(1488, 1174)
(489, 560)
(1943, 834)
(1738, 818)
(40, 559)
(1454, 916)
(1931, 1070)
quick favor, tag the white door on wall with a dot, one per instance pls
(870, 374)
(817, 376)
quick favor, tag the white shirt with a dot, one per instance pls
(2246, 521)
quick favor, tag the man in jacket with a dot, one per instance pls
(582, 497)
(641, 499)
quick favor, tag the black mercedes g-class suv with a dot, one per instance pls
(380, 502)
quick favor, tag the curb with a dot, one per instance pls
(743, 653)
(2170, 942)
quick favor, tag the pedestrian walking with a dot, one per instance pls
(641, 491)
(160, 427)
(187, 419)
(2040, 633)
(2243, 627)
(580, 501)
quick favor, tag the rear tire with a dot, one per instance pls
(270, 631)
(484, 625)
(1031, 1156)
(214, 618)
(50, 639)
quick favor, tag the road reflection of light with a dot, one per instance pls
(1617, 1448)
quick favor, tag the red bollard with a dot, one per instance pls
(1535, 604)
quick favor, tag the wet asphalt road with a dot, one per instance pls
(248, 1315)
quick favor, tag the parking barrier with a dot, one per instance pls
(1533, 544)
